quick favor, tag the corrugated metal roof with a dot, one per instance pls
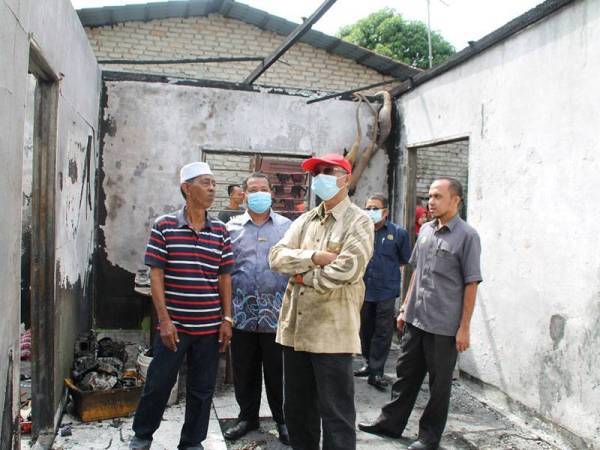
(109, 15)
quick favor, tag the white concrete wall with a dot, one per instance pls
(153, 129)
(55, 27)
(531, 108)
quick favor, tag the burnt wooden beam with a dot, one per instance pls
(290, 40)
(43, 314)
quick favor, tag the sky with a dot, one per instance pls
(459, 21)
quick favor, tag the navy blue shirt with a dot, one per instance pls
(392, 250)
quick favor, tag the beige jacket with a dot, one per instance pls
(323, 315)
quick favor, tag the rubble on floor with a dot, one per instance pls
(472, 424)
(99, 364)
(25, 382)
(101, 387)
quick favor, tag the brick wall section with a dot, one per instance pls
(442, 160)
(303, 66)
(228, 169)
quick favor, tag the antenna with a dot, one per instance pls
(443, 2)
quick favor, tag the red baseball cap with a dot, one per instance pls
(308, 165)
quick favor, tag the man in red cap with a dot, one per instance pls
(325, 252)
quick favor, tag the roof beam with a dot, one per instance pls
(290, 40)
(225, 8)
(352, 91)
(331, 47)
(211, 59)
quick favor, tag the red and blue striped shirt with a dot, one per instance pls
(192, 262)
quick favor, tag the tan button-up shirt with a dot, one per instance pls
(323, 314)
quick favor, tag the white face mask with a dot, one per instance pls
(375, 214)
(259, 202)
(325, 186)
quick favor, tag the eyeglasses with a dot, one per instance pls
(327, 171)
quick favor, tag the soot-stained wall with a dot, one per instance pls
(54, 29)
(152, 129)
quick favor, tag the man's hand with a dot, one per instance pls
(323, 258)
(168, 334)
(463, 339)
(224, 335)
(400, 322)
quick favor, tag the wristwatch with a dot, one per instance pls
(228, 319)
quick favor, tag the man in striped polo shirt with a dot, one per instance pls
(191, 260)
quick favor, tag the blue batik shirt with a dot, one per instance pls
(392, 250)
(257, 292)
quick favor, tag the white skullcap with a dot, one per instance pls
(193, 170)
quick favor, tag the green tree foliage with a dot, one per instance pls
(387, 33)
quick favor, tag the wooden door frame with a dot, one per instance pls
(43, 201)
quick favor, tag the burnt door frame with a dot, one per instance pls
(43, 200)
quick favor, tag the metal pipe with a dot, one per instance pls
(182, 61)
(352, 91)
(429, 33)
(289, 41)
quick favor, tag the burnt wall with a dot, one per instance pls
(151, 128)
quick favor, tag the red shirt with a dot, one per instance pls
(420, 213)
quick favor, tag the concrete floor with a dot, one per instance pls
(472, 424)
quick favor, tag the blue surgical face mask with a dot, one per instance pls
(259, 202)
(325, 186)
(375, 215)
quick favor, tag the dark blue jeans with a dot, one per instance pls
(376, 330)
(202, 361)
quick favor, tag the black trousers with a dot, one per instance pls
(252, 354)
(377, 323)
(422, 353)
(319, 387)
(202, 359)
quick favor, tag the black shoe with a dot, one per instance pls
(420, 445)
(284, 436)
(362, 372)
(240, 429)
(376, 428)
(378, 382)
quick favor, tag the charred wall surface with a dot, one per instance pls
(51, 34)
(150, 129)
